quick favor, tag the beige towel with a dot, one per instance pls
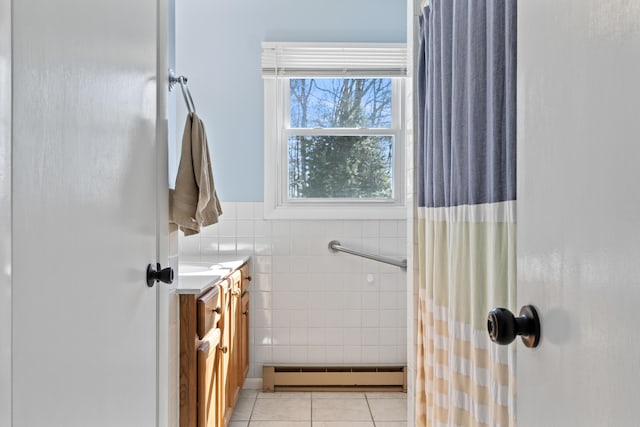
(194, 202)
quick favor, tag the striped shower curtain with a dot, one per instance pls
(466, 211)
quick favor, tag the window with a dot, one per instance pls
(334, 131)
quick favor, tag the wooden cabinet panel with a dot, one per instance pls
(188, 371)
(243, 351)
(226, 325)
(232, 326)
(209, 411)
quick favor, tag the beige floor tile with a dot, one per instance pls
(282, 409)
(340, 410)
(388, 409)
(280, 424)
(285, 395)
(391, 424)
(242, 410)
(238, 424)
(342, 424)
(249, 394)
(386, 395)
(336, 395)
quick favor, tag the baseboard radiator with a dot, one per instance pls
(334, 378)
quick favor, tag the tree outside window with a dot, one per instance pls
(340, 141)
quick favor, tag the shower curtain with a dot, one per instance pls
(466, 211)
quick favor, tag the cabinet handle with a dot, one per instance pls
(244, 313)
(248, 278)
(223, 349)
(216, 310)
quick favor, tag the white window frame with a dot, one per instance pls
(277, 203)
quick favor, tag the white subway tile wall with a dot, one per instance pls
(308, 304)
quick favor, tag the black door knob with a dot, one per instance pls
(164, 275)
(504, 327)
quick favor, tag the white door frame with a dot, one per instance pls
(5, 212)
(414, 10)
(165, 381)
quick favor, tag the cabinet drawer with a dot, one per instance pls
(209, 309)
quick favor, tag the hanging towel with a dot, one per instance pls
(194, 202)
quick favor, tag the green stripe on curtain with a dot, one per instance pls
(466, 267)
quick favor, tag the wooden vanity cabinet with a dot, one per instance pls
(214, 352)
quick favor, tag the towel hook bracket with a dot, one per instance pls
(186, 94)
(173, 79)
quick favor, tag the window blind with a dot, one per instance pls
(334, 60)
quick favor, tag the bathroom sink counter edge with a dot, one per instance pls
(196, 276)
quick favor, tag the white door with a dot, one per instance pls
(579, 211)
(84, 213)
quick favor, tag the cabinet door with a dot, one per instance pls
(234, 308)
(226, 368)
(244, 339)
(209, 412)
(246, 278)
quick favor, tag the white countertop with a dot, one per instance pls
(195, 277)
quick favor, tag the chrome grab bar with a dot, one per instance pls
(335, 246)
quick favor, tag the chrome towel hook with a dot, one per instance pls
(182, 81)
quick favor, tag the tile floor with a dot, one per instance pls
(319, 409)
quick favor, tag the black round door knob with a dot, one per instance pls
(164, 275)
(504, 327)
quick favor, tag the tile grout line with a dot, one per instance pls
(370, 412)
(255, 400)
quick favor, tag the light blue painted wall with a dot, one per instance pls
(218, 46)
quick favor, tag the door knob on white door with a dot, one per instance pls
(504, 327)
(159, 274)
